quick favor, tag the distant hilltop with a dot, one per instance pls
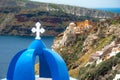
(78, 11)
(18, 16)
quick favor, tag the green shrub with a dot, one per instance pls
(118, 55)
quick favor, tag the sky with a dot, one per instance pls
(87, 3)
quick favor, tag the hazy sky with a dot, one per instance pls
(87, 3)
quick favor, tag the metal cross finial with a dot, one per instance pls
(38, 30)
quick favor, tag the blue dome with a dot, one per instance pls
(51, 64)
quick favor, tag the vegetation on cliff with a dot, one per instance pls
(81, 54)
(104, 71)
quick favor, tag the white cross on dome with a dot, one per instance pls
(38, 30)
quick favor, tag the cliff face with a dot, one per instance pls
(94, 53)
(18, 16)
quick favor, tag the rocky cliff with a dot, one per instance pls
(18, 16)
(94, 53)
